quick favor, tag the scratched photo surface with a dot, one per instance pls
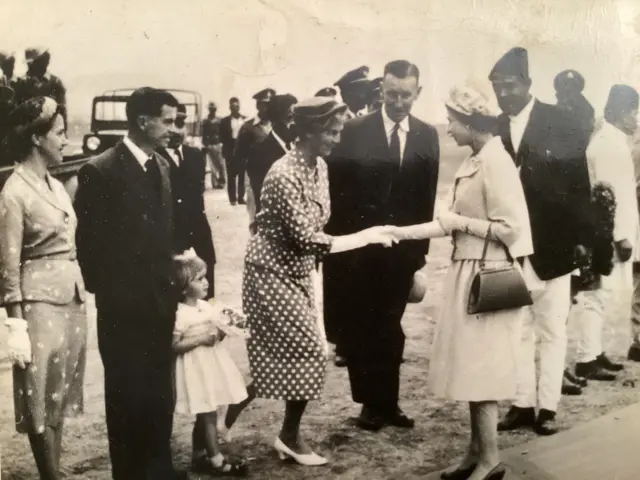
(228, 48)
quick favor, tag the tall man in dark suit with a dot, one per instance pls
(124, 207)
(229, 130)
(548, 147)
(191, 228)
(384, 171)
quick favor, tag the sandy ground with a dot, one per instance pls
(441, 427)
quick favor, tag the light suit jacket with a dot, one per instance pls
(487, 187)
(37, 241)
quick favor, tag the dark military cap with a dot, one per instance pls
(264, 95)
(514, 63)
(622, 98)
(326, 92)
(569, 80)
(32, 54)
(182, 111)
(354, 78)
(317, 109)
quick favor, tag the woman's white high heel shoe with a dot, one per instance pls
(311, 459)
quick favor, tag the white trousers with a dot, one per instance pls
(603, 308)
(545, 320)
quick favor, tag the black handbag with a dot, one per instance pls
(494, 289)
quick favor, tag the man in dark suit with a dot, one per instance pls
(229, 130)
(191, 228)
(384, 171)
(548, 147)
(124, 236)
(278, 142)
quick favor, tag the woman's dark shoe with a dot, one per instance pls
(606, 363)
(497, 473)
(228, 468)
(458, 473)
(517, 418)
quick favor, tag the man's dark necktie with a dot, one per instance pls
(179, 155)
(153, 174)
(394, 146)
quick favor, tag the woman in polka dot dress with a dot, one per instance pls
(286, 348)
(41, 285)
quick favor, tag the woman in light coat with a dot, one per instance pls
(473, 358)
(41, 285)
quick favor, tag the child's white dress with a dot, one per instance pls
(206, 377)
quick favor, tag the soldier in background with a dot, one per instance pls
(253, 132)
(327, 92)
(569, 85)
(39, 82)
(229, 131)
(7, 64)
(213, 146)
(354, 89)
(375, 95)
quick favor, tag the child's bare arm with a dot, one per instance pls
(182, 344)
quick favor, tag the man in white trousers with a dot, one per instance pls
(609, 160)
(549, 150)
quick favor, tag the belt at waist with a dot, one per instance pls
(69, 256)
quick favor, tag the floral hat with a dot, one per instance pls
(469, 100)
(32, 113)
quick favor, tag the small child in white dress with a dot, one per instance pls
(206, 376)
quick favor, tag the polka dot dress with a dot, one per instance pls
(286, 350)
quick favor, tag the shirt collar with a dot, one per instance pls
(525, 113)
(137, 152)
(389, 124)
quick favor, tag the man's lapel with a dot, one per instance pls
(504, 130)
(528, 136)
(133, 175)
(165, 176)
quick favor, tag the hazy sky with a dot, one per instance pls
(236, 47)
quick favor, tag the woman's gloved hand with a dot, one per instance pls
(18, 343)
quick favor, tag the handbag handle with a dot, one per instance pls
(486, 247)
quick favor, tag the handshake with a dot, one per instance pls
(385, 235)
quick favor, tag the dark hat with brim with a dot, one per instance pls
(569, 80)
(284, 100)
(32, 54)
(514, 63)
(354, 78)
(6, 94)
(264, 95)
(326, 92)
(317, 109)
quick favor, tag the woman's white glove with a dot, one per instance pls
(18, 343)
(452, 222)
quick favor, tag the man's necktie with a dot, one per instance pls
(394, 146)
(179, 155)
(153, 174)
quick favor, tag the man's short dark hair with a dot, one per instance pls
(402, 69)
(148, 101)
(234, 99)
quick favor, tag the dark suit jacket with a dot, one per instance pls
(368, 188)
(190, 225)
(260, 160)
(556, 185)
(124, 236)
(226, 137)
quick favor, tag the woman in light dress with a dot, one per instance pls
(473, 358)
(41, 284)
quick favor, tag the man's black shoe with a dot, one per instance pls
(370, 420)
(400, 419)
(516, 418)
(593, 371)
(546, 423)
(634, 353)
(606, 363)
